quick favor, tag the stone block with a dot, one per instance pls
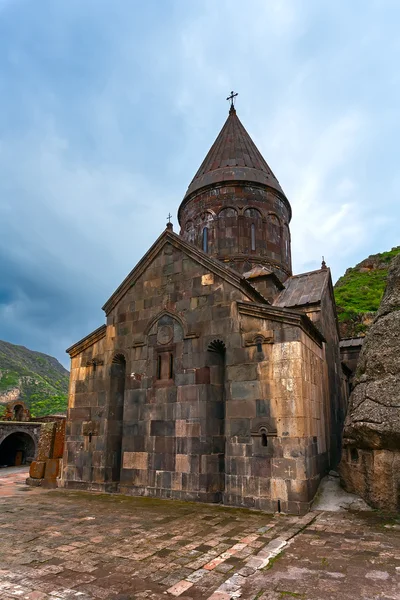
(284, 468)
(36, 470)
(135, 460)
(165, 445)
(246, 372)
(52, 468)
(245, 390)
(298, 491)
(239, 427)
(240, 408)
(202, 375)
(162, 428)
(162, 462)
(278, 489)
(90, 428)
(261, 467)
(136, 396)
(263, 408)
(182, 463)
(46, 441)
(187, 393)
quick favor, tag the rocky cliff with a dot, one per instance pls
(37, 379)
(359, 292)
(370, 464)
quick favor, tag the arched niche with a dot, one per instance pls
(115, 416)
(190, 232)
(228, 213)
(273, 229)
(216, 361)
(228, 231)
(165, 348)
(167, 319)
(252, 235)
(205, 231)
(252, 213)
(286, 245)
(18, 412)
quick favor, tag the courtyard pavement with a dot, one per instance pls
(58, 544)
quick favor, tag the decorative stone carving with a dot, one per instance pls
(165, 334)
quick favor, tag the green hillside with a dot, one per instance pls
(41, 380)
(359, 292)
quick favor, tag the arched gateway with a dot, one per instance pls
(18, 443)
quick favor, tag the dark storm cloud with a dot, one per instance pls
(106, 114)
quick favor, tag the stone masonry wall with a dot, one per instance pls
(185, 397)
(229, 212)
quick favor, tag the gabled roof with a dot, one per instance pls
(233, 157)
(303, 289)
(260, 272)
(87, 341)
(356, 342)
(209, 263)
(284, 315)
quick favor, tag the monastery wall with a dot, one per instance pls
(185, 397)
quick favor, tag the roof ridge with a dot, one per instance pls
(231, 275)
(309, 273)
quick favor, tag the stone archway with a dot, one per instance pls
(18, 412)
(16, 449)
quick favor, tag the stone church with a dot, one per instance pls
(217, 376)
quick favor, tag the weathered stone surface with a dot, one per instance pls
(370, 459)
(52, 468)
(59, 439)
(198, 388)
(36, 470)
(46, 441)
(64, 546)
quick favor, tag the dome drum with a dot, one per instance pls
(245, 225)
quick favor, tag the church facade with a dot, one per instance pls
(217, 376)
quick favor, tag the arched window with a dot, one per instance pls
(264, 437)
(18, 412)
(354, 454)
(205, 239)
(253, 236)
(259, 342)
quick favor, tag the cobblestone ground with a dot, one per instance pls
(64, 544)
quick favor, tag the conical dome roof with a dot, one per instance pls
(233, 157)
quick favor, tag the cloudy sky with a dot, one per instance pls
(107, 108)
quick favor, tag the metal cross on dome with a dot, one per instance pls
(232, 97)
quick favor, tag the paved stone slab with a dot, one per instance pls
(63, 545)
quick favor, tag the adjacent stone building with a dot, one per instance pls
(217, 376)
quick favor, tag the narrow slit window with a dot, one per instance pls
(205, 239)
(354, 455)
(259, 347)
(171, 366)
(253, 236)
(264, 439)
(159, 366)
